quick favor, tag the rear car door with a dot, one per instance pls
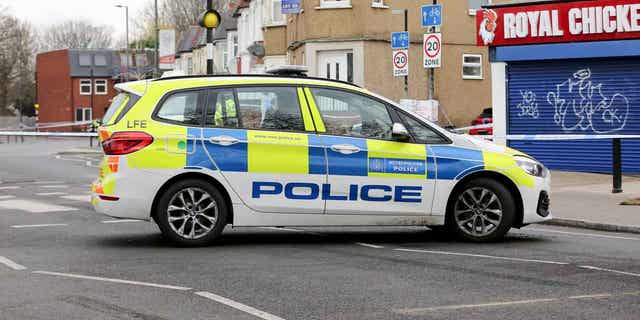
(369, 172)
(259, 139)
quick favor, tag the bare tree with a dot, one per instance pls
(76, 34)
(17, 49)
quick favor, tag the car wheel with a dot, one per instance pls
(191, 213)
(482, 211)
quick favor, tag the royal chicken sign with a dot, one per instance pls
(559, 22)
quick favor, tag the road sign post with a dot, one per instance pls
(400, 63)
(432, 49)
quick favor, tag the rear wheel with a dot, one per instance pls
(191, 213)
(482, 211)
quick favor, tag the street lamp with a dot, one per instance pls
(126, 47)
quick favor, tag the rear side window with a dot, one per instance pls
(117, 106)
(182, 108)
(258, 108)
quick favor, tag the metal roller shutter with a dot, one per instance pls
(593, 96)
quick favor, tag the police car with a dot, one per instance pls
(195, 154)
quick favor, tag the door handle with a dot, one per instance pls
(345, 148)
(224, 140)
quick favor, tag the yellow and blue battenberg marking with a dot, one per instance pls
(454, 162)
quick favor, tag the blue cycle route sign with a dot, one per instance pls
(290, 6)
(431, 16)
(400, 40)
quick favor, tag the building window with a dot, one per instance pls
(85, 87)
(100, 60)
(276, 12)
(477, 5)
(335, 3)
(378, 4)
(83, 114)
(472, 66)
(84, 60)
(101, 87)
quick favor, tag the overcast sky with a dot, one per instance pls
(43, 12)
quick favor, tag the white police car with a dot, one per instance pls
(198, 153)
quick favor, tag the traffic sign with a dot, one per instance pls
(400, 63)
(400, 40)
(290, 6)
(432, 49)
(431, 16)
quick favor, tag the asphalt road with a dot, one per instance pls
(60, 260)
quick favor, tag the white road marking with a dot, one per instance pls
(49, 182)
(10, 188)
(368, 245)
(582, 234)
(420, 311)
(610, 270)
(6, 197)
(482, 256)
(281, 229)
(121, 220)
(47, 194)
(237, 305)
(83, 198)
(33, 206)
(56, 186)
(24, 226)
(137, 283)
(11, 264)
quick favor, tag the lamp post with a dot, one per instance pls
(126, 47)
(157, 44)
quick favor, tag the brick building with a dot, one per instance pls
(75, 85)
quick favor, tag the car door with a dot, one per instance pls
(369, 172)
(257, 136)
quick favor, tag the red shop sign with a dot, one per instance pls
(559, 22)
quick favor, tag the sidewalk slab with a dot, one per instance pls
(585, 200)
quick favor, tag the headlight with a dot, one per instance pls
(531, 166)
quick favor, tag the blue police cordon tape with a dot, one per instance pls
(48, 134)
(553, 137)
(50, 125)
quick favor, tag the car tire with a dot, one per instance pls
(191, 212)
(482, 211)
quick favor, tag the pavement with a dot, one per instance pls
(585, 200)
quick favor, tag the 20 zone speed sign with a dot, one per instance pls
(400, 63)
(432, 48)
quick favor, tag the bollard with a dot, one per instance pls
(617, 166)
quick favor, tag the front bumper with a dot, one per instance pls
(536, 201)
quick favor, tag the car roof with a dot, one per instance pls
(186, 82)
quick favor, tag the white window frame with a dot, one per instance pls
(378, 4)
(106, 89)
(272, 14)
(85, 83)
(472, 12)
(334, 4)
(84, 113)
(472, 64)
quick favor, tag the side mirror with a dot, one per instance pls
(400, 133)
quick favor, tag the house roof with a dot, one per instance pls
(103, 62)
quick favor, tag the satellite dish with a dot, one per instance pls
(257, 49)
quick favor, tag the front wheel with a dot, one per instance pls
(482, 211)
(191, 213)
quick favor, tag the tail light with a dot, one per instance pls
(126, 142)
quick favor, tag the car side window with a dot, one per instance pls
(421, 132)
(222, 110)
(349, 114)
(181, 107)
(272, 108)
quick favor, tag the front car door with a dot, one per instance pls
(369, 172)
(258, 137)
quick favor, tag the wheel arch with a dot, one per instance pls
(199, 176)
(497, 176)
